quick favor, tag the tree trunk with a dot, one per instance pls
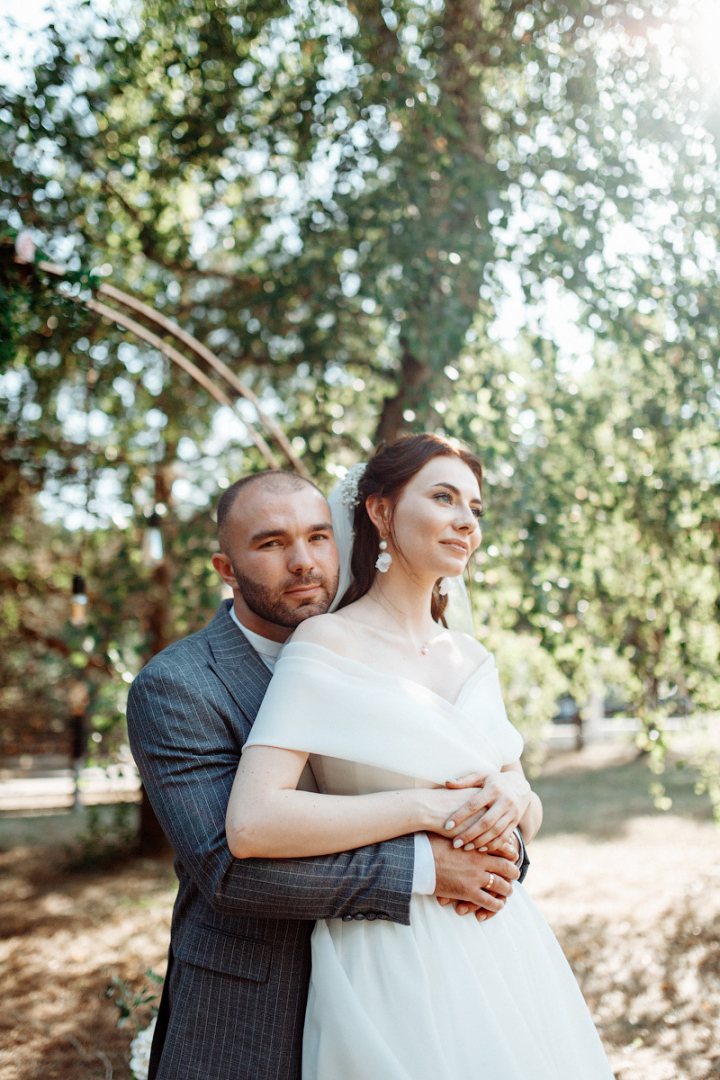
(152, 842)
(413, 374)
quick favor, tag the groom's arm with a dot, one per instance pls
(187, 759)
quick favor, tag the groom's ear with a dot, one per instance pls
(222, 564)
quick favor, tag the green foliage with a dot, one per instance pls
(532, 684)
(130, 1002)
(338, 200)
(700, 745)
(707, 763)
(110, 835)
(603, 526)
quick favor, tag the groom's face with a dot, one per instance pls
(279, 556)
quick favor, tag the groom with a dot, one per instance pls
(234, 998)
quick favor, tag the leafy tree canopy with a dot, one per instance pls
(370, 212)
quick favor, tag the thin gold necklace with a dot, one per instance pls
(424, 645)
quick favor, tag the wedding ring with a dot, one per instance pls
(489, 885)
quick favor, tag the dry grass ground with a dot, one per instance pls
(633, 895)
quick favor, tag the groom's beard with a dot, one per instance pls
(272, 605)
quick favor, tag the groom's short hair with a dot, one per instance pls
(272, 479)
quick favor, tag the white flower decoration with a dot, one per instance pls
(349, 485)
(140, 1051)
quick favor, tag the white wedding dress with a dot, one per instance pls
(445, 998)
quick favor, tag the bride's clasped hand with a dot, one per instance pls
(489, 817)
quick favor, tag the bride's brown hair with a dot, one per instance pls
(388, 472)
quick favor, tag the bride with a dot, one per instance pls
(389, 704)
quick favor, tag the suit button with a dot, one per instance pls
(371, 915)
(359, 915)
(347, 918)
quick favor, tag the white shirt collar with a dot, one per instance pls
(269, 650)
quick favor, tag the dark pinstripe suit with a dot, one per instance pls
(239, 962)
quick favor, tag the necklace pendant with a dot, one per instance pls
(424, 650)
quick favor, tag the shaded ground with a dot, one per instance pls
(64, 935)
(633, 894)
(634, 897)
(597, 791)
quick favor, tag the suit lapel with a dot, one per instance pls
(236, 663)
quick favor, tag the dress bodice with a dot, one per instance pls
(368, 730)
(336, 776)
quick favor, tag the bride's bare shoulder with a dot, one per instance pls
(470, 649)
(328, 630)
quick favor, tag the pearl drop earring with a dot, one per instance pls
(384, 558)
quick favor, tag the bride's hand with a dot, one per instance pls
(434, 808)
(491, 814)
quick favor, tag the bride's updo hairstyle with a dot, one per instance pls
(388, 472)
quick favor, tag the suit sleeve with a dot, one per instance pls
(187, 755)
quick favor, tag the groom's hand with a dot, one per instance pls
(464, 878)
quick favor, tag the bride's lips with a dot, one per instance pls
(456, 545)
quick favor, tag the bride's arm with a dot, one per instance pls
(531, 820)
(268, 818)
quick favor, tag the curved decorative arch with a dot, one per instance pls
(200, 351)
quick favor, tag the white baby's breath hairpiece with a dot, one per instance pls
(349, 486)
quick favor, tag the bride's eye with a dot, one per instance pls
(478, 512)
(444, 495)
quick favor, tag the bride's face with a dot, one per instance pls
(436, 523)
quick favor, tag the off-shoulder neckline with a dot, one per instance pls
(347, 660)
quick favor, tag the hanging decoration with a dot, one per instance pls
(152, 545)
(78, 606)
